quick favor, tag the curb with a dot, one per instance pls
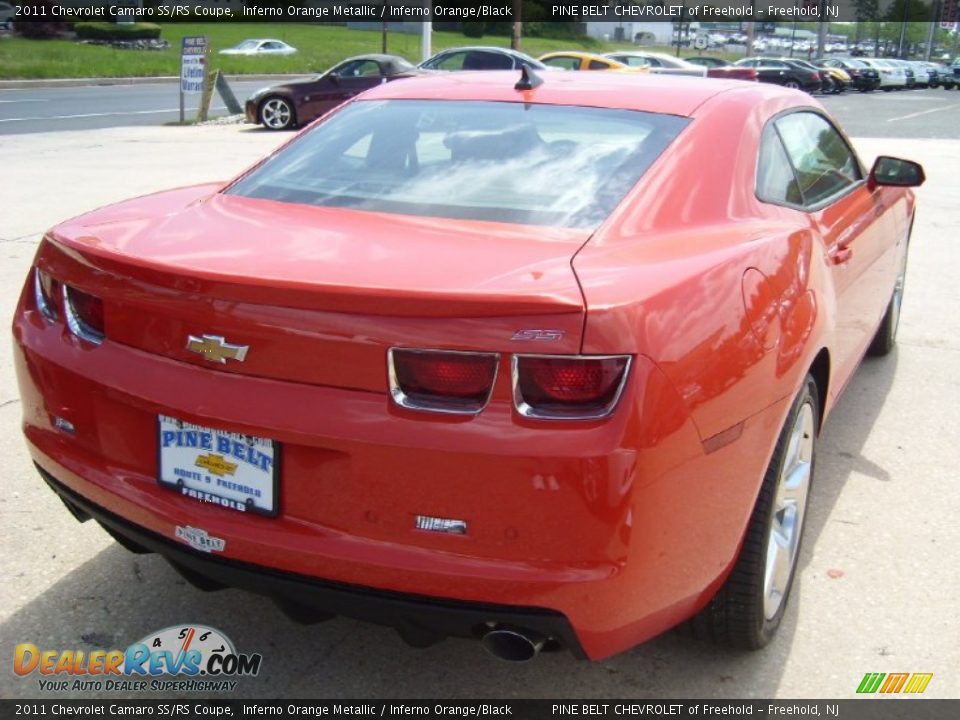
(91, 82)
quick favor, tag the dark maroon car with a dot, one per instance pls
(717, 68)
(280, 107)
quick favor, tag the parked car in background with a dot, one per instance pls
(781, 72)
(658, 63)
(892, 77)
(863, 77)
(542, 366)
(284, 106)
(262, 46)
(908, 71)
(7, 13)
(717, 68)
(941, 76)
(481, 58)
(924, 73)
(834, 80)
(575, 60)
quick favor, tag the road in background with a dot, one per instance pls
(37, 110)
(931, 113)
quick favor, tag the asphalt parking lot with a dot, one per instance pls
(877, 586)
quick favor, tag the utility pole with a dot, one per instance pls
(517, 34)
(750, 31)
(932, 29)
(901, 51)
(425, 35)
(822, 28)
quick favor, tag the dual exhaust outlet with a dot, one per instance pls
(512, 643)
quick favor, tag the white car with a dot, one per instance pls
(260, 46)
(7, 13)
(892, 76)
(659, 63)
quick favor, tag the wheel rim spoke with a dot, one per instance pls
(786, 517)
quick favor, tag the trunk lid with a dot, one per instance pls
(317, 294)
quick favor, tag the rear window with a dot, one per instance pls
(475, 160)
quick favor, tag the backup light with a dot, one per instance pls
(441, 380)
(566, 387)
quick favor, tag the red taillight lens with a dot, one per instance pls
(568, 387)
(84, 313)
(440, 380)
(47, 293)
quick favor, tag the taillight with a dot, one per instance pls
(46, 294)
(84, 314)
(568, 387)
(441, 380)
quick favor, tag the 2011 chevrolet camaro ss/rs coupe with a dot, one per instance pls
(541, 361)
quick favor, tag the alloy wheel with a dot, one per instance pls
(786, 519)
(276, 114)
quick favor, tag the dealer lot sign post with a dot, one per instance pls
(193, 61)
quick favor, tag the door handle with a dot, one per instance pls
(840, 254)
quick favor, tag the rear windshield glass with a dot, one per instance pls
(500, 161)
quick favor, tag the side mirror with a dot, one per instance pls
(334, 78)
(894, 171)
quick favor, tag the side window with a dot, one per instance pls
(563, 61)
(824, 163)
(481, 60)
(598, 65)
(359, 68)
(451, 61)
(776, 182)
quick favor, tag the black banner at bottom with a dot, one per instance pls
(893, 708)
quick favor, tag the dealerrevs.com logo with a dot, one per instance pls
(179, 658)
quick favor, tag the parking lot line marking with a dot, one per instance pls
(90, 115)
(923, 112)
(25, 100)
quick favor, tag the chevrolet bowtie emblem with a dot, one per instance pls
(216, 349)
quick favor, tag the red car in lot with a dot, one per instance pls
(540, 361)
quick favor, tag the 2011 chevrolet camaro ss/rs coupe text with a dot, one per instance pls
(541, 361)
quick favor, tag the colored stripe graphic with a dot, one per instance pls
(913, 683)
(918, 682)
(894, 682)
(870, 682)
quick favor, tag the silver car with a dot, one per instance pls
(659, 63)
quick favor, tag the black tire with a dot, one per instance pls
(792, 85)
(277, 113)
(737, 615)
(886, 337)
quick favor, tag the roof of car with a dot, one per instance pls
(670, 95)
(394, 63)
(573, 53)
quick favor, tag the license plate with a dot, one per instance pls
(235, 471)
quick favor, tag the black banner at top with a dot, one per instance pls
(612, 11)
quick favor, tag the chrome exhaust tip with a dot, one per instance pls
(513, 644)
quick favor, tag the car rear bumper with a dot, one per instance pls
(419, 620)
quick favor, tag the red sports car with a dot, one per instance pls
(541, 361)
